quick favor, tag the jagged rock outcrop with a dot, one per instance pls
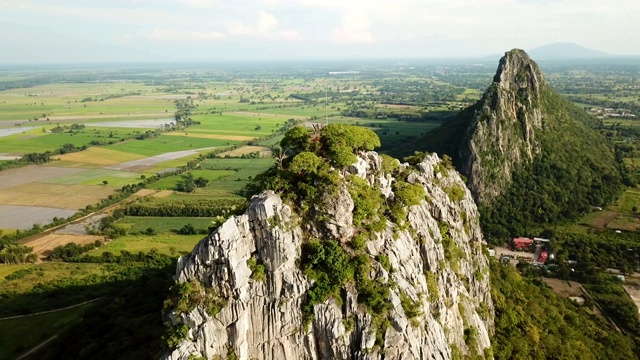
(503, 126)
(437, 261)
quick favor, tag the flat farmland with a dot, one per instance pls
(114, 178)
(263, 150)
(172, 181)
(70, 197)
(23, 217)
(245, 124)
(148, 163)
(44, 244)
(40, 141)
(33, 173)
(165, 144)
(96, 156)
(203, 135)
(162, 225)
(164, 243)
(59, 100)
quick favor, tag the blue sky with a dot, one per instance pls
(75, 31)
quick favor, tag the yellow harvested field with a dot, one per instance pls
(99, 156)
(43, 245)
(162, 193)
(213, 136)
(263, 150)
(145, 192)
(73, 197)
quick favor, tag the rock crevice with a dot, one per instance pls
(447, 279)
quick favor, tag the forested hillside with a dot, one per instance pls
(531, 157)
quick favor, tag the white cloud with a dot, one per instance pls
(173, 35)
(290, 35)
(355, 28)
(200, 4)
(266, 22)
(267, 26)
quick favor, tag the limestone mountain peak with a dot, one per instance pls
(516, 71)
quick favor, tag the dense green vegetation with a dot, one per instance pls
(534, 323)
(199, 207)
(573, 173)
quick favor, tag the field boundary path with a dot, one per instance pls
(49, 311)
(37, 347)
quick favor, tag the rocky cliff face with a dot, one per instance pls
(437, 261)
(502, 131)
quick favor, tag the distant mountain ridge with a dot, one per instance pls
(565, 50)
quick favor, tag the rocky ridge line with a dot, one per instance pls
(263, 319)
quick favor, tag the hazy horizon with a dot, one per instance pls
(197, 31)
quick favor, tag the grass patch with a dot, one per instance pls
(164, 144)
(45, 273)
(172, 181)
(164, 244)
(161, 225)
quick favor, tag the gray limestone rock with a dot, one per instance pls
(448, 281)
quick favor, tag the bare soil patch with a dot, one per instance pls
(564, 288)
(145, 192)
(30, 174)
(263, 150)
(43, 245)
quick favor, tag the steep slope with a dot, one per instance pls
(420, 288)
(522, 134)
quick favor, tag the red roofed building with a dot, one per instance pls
(543, 256)
(522, 244)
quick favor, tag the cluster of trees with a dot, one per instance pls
(185, 208)
(16, 254)
(534, 323)
(184, 109)
(309, 170)
(188, 183)
(599, 250)
(71, 250)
